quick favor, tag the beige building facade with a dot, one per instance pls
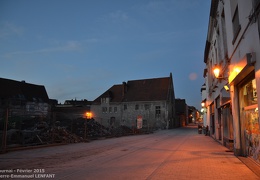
(232, 76)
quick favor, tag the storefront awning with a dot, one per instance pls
(241, 69)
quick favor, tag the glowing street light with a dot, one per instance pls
(202, 104)
(216, 71)
(88, 115)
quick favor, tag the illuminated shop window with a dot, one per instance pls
(249, 119)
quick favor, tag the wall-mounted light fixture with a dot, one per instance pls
(202, 104)
(218, 74)
(227, 87)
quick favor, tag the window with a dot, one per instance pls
(224, 35)
(145, 123)
(147, 106)
(115, 109)
(157, 111)
(104, 109)
(249, 117)
(104, 100)
(212, 118)
(136, 106)
(236, 25)
(256, 3)
(110, 109)
(125, 107)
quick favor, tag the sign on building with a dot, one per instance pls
(139, 122)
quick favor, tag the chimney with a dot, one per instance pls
(124, 89)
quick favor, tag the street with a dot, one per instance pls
(166, 154)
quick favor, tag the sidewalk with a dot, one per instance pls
(201, 157)
(249, 162)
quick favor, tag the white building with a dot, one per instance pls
(149, 102)
(231, 101)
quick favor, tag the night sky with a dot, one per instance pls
(80, 48)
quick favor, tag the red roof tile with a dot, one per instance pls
(147, 90)
(156, 89)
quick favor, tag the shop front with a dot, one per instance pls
(249, 118)
(228, 136)
(227, 118)
(245, 108)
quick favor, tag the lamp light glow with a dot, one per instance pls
(218, 74)
(88, 115)
(216, 71)
(226, 87)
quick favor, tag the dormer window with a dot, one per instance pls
(105, 100)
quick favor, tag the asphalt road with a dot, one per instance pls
(167, 154)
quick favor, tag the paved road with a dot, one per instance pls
(168, 154)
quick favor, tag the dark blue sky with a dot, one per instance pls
(80, 48)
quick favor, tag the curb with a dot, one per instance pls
(251, 164)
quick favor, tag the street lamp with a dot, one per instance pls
(88, 115)
(227, 87)
(202, 104)
(217, 73)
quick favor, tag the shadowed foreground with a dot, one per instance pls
(168, 154)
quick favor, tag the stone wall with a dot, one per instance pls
(106, 115)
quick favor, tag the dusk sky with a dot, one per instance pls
(80, 48)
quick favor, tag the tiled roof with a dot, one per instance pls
(115, 93)
(147, 90)
(22, 90)
(156, 89)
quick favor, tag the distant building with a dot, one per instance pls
(181, 112)
(22, 98)
(78, 103)
(146, 103)
(71, 109)
(194, 116)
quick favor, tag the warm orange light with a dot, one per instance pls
(226, 87)
(202, 104)
(88, 115)
(237, 70)
(234, 72)
(216, 71)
